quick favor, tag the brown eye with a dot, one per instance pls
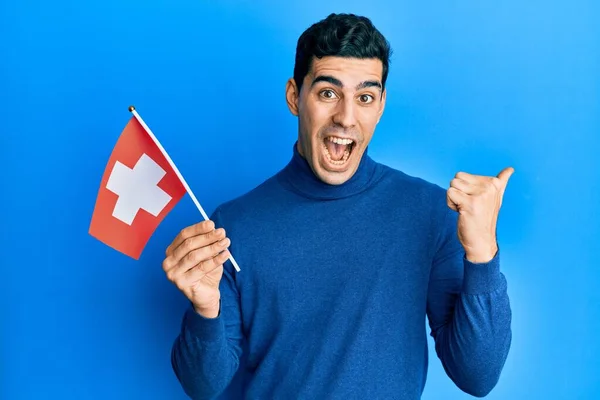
(328, 94)
(366, 98)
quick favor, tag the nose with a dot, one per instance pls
(345, 114)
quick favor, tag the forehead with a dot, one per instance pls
(348, 70)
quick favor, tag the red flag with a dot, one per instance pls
(138, 189)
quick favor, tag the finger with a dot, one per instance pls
(470, 178)
(455, 199)
(190, 231)
(192, 245)
(450, 202)
(207, 266)
(195, 257)
(193, 230)
(196, 242)
(181, 270)
(463, 186)
(505, 174)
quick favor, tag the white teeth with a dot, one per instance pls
(340, 140)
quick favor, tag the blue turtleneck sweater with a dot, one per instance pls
(335, 286)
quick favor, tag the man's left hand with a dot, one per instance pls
(477, 199)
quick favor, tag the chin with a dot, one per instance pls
(333, 178)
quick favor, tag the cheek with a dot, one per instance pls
(315, 117)
(367, 117)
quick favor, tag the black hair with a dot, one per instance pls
(341, 35)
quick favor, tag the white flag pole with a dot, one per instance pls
(187, 188)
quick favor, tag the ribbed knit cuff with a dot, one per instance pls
(481, 278)
(205, 329)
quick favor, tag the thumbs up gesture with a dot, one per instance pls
(477, 199)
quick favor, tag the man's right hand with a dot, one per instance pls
(194, 263)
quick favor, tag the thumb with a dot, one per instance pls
(505, 174)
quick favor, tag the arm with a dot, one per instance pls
(205, 355)
(469, 313)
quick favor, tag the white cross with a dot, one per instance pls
(137, 189)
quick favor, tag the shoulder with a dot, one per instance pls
(426, 201)
(249, 204)
(413, 187)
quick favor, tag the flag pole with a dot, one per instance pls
(172, 164)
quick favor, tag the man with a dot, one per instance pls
(341, 257)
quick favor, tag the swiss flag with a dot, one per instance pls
(138, 189)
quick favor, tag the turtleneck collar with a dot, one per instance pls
(298, 176)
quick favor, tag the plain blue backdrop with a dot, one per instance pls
(474, 86)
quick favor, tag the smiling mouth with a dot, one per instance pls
(337, 150)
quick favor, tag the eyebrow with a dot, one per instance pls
(338, 83)
(367, 84)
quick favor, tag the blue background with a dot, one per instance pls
(473, 86)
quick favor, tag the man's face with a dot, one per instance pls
(340, 104)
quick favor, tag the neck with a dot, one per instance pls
(299, 177)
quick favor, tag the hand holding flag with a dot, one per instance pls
(194, 263)
(140, 186)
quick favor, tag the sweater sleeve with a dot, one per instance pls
(468, 311)
(206, 354)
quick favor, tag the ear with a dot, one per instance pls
(292, 95)
(381, 105)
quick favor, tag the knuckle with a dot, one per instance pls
(215, 233)
(184, 233)
(192, 257)
(208, 224)
(179, 284)
(171, 275)
(207, 264)
(188, 244)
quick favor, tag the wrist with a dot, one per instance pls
(481, 255)
(208, 311)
